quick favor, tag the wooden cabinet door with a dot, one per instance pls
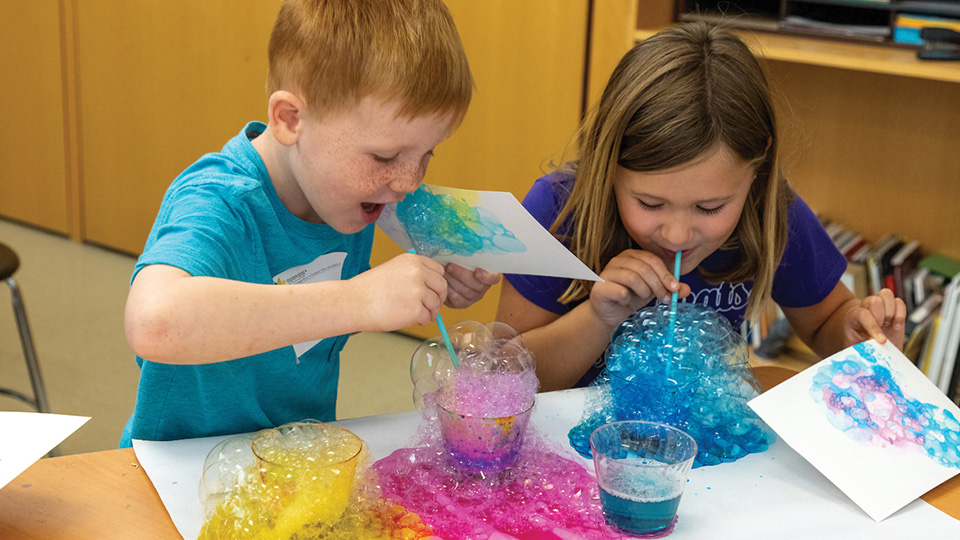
(33, 180)
(162, 82)
(528, 60)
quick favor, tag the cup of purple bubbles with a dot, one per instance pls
(483, 444)
(483, 402)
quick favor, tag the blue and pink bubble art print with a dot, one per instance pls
(871, 422)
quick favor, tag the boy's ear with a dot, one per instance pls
(285, 113)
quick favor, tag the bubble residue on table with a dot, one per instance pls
(304, 480)
(860, 396)
(423, 491)
(544, 494)
(699, 382)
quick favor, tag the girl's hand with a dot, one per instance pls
(464, 287)
(880, 317)
(630, 281)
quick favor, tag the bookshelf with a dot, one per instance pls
(856, 20)
(870, 130)
(841, 55)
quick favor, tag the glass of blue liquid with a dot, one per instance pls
(642, 469)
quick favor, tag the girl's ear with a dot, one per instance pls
(285, 112)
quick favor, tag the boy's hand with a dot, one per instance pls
(630, 281)
(406, 290)
(464, 287)
(880, 317)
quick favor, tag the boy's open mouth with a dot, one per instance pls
(371, 211)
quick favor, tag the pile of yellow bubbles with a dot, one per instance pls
(305, 480)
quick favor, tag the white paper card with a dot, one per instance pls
(774, 494)
(28, 436)
(528, 248)
(871, 422)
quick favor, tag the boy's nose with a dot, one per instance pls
(407, 182)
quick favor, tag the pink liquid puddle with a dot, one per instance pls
(542, 496)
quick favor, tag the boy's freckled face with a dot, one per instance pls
(349, 165)
(692, 208)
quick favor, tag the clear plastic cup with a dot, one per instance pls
(478, 444)
(641, 469)
(307, 470)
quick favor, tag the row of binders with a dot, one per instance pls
(927, 284)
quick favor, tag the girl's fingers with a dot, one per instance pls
(630, 281)
(900, 316)
(645, 274)
(889, 305)
(869, 319)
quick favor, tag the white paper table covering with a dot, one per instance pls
(775, 494)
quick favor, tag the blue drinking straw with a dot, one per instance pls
(673, 313)
(443, 333)
(673, 300)
(446, 341)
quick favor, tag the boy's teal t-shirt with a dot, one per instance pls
(222, 218)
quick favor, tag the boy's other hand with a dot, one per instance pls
(406, 290)
(464, 287)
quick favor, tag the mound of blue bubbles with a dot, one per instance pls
(695, 378)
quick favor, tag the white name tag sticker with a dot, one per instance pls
(326, 267)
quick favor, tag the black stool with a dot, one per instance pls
(8, 265)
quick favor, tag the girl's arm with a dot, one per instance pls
(841, 320)
(564, 346)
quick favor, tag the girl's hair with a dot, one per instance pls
(333, 53)
(670, 99)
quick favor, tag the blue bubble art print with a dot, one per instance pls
(700, 382)
(439, 224)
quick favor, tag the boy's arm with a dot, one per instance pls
(841, 320)
(173, 317)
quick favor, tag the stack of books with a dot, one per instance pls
(927, 284)
(907, 27)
